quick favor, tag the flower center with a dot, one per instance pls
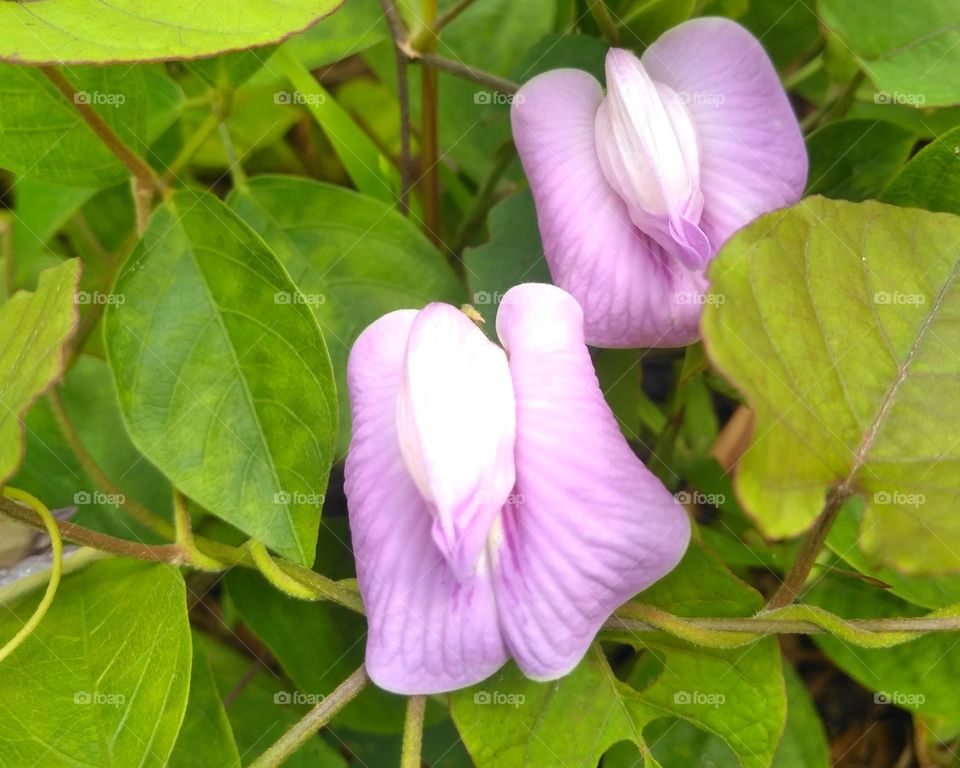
(647, 146)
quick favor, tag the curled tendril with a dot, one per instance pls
(15, 494)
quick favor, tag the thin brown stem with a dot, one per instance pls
(474, 75)
(313, 721)
(77, 534)
(410, 756)
(426, 38)
(403, 95)
(430, 152)
(792, 585)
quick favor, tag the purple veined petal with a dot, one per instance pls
(753, 159)
(647, 146)
(588, 525)
(427, 632)
(632, 293)
(456, 421)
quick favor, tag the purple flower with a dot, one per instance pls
(636, 190)
(495, 507)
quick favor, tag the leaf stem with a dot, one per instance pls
(410, 757)
(185, 540)
(204, 131)
(15, 495)
(428, 35)
(813, 542)
(137, 166)
(601, 15)
(463, 71)
(313, 721)
(274, 574)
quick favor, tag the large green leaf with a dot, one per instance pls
(104, 678)
(34, 327)
(736, 695)
(931, 179)
(841, 325)
(909, 48)
(352, 257)
(42, 135)
(222, 373)
(135, 30)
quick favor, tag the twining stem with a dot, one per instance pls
(410, 757)
(133, 508)
(601, 15)
(429, 149)
(313, 721)
(813, 542)
(146, 178)
(185, 540)
(56, 543)
(274, 574)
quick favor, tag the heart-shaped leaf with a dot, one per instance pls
(840, 322)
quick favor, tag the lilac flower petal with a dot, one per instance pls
(589, 526)
(456, 421)
(427, 632)
(631, 292)
(752, 154)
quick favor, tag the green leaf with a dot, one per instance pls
(855, 159)
(511, 256)
(34, 328)
(909, 48)
(260, 708)
(104, 679)
(841, 328)
(737, 695)
(42, 136)
(804, 739)
(205, 737)
(919, 676)
(931, 179)
(52, 472)
(135, 31)
(223, 376)
(353, 258)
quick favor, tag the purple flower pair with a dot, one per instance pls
(495, 507)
